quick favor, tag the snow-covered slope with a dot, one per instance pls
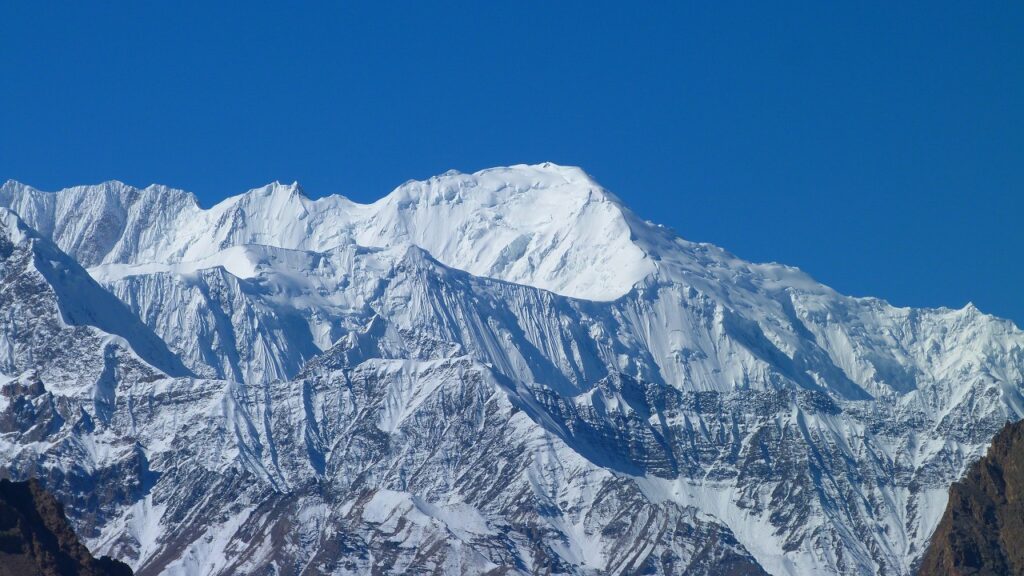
(546, 226)
(52, 308)
(507, 368)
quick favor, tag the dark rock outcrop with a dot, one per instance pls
(36, 539)
(982, 530)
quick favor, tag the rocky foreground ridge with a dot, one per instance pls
(36, 539)
(982, 531)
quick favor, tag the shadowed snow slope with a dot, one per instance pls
(502, 369)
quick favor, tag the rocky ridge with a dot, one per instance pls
(446, 380)
(982, 530)
(36, 540)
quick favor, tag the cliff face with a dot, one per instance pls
(500, 370)
(982, 530)
(36, 540)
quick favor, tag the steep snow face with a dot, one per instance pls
(93, 223)
(256, 313)
(487, 369)
(545, 226)
(47, 297)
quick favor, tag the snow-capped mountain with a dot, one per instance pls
(500, 370)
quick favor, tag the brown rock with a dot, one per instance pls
(982, 530)
(36, 539)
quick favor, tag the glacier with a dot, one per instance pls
(500, 371)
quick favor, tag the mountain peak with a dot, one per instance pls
(11, 226)
(278, 188)
(543, 225)
(568, 182)
(743, 415)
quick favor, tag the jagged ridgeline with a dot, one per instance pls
(503, 371)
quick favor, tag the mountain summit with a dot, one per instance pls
(499, 371)
(546, 226)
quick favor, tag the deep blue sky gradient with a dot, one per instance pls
(877, 145)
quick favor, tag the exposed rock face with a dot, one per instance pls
(505, 371)
(36, 539)
(982, 531)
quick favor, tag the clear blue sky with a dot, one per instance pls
(877, 145)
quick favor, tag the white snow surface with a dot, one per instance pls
(517, 327)
(546, 226)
